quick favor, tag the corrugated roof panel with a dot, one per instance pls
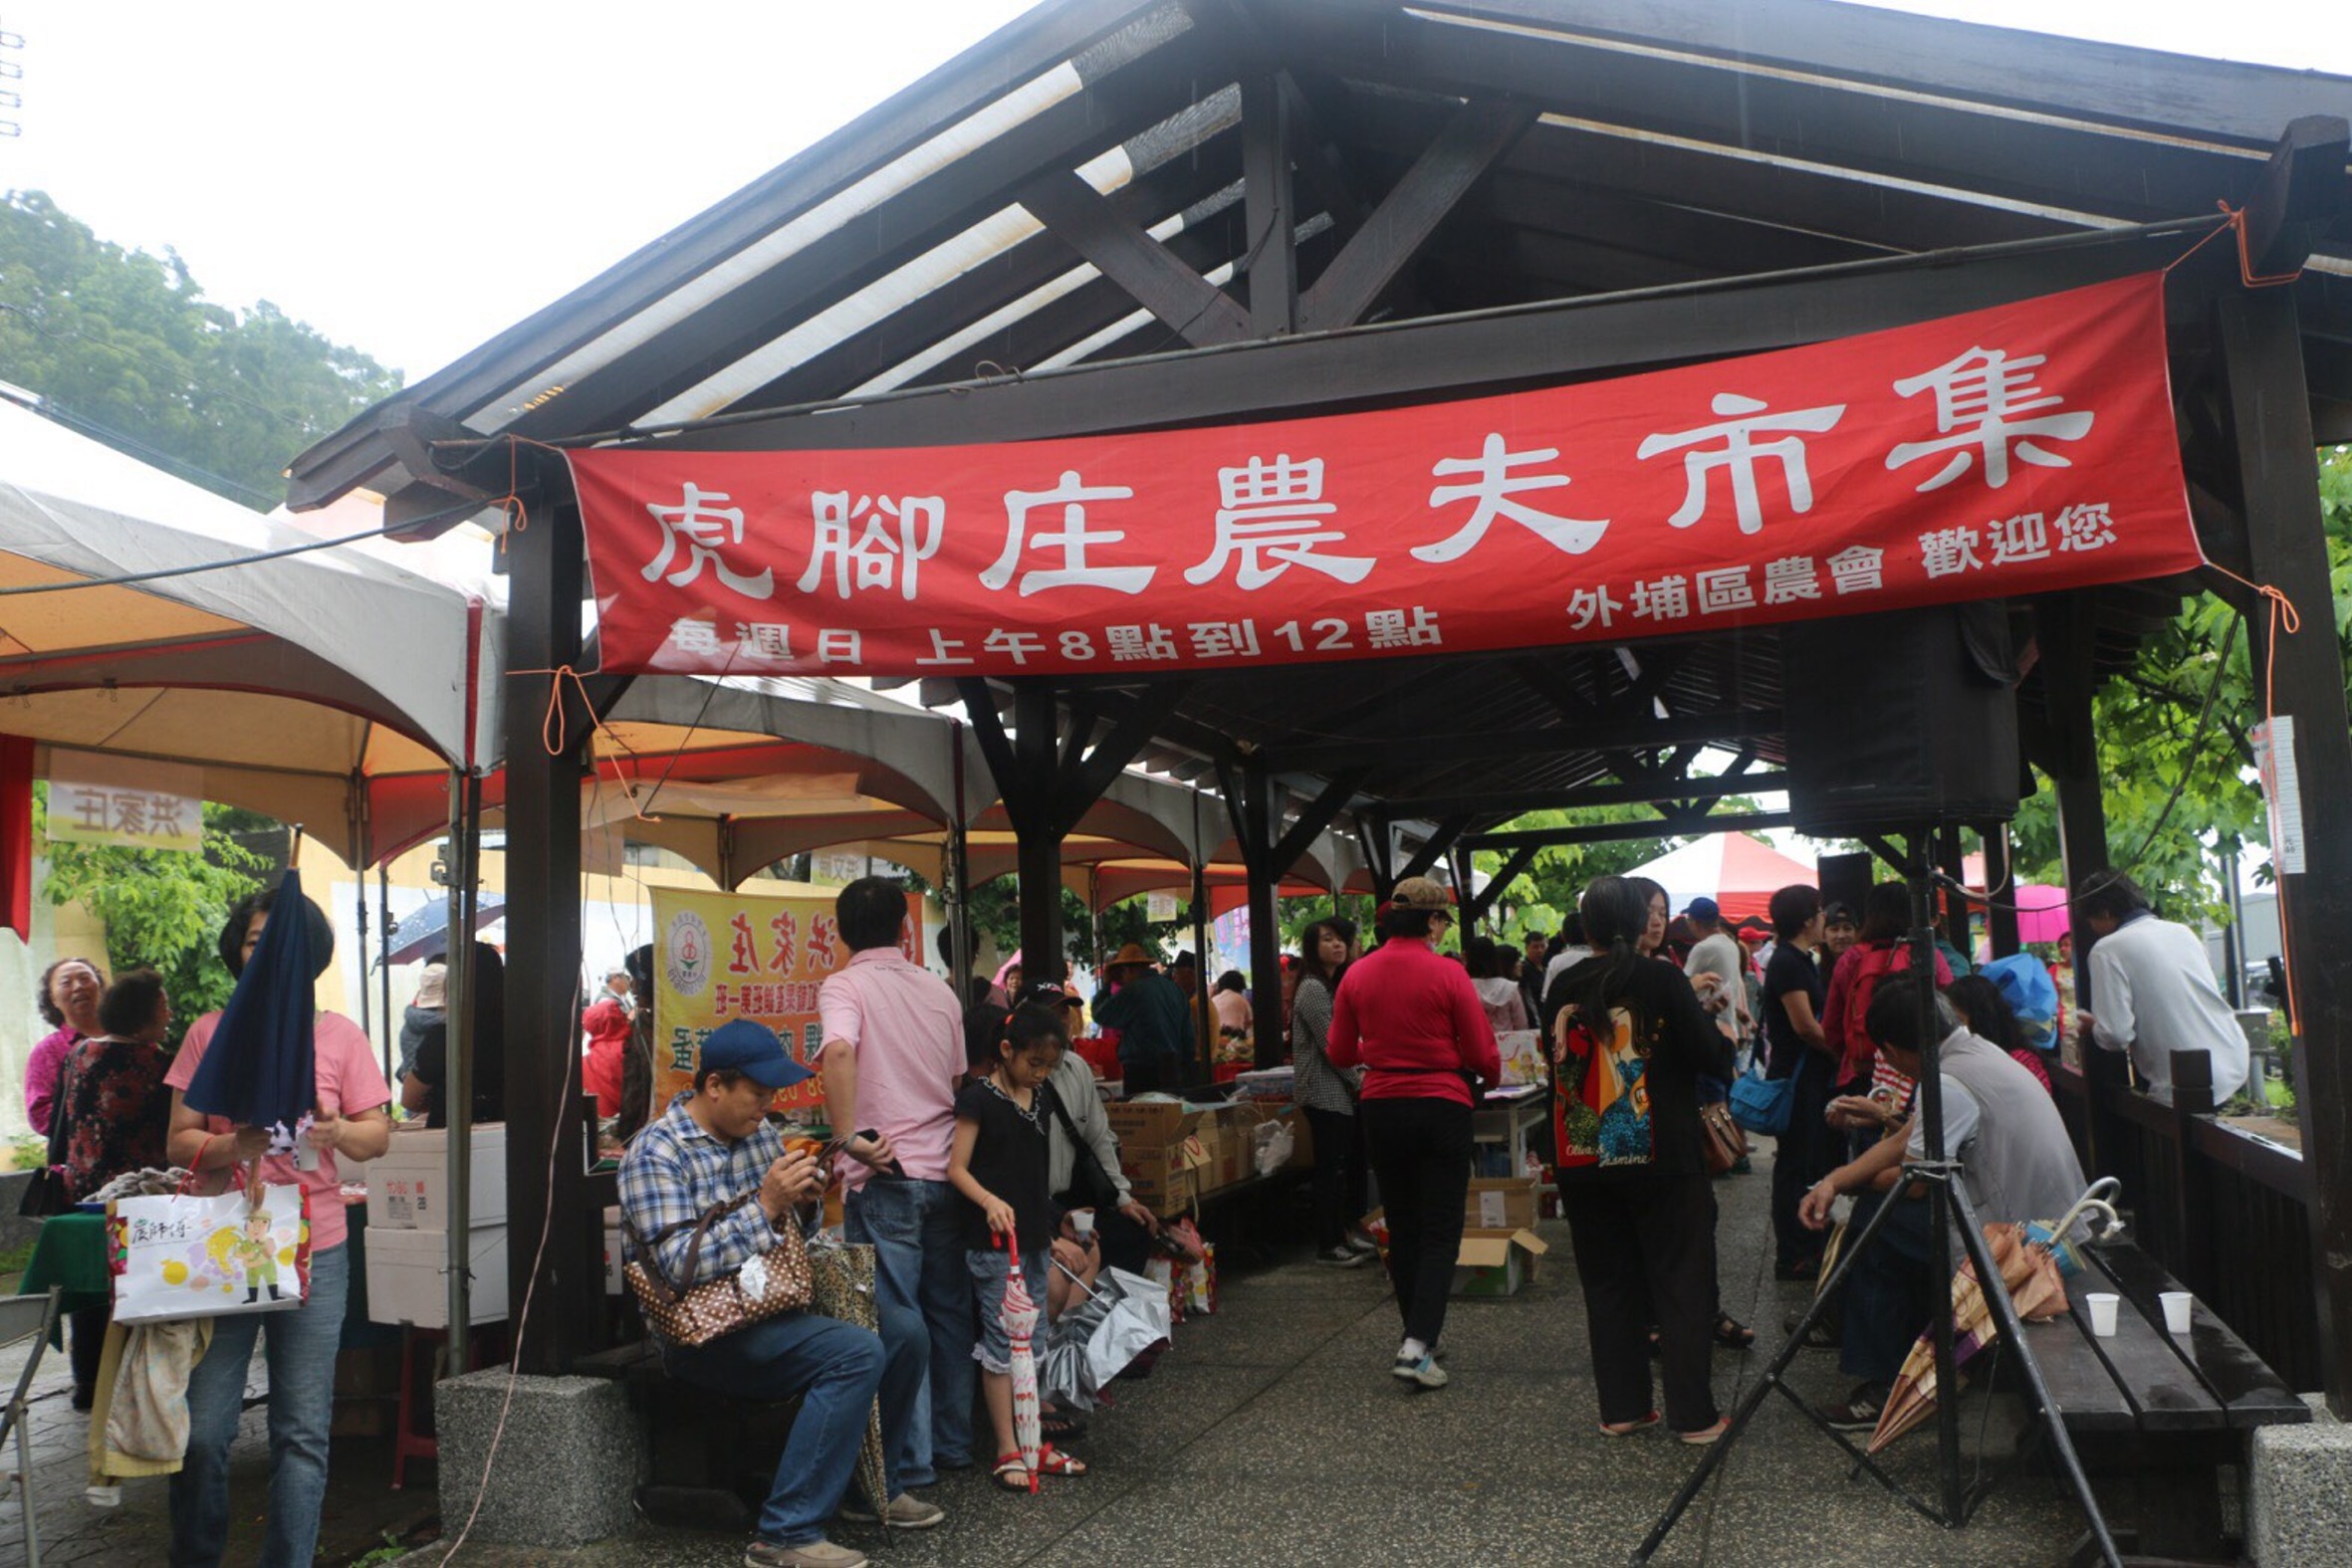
(974, 131)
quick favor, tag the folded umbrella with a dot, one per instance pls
(1020, 1317)
(1139, 1321)
(841, 1286)
(2028, 1273)
(260, 1067)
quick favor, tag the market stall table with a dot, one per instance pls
(1505, 1118)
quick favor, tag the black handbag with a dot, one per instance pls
(46, 1194)
(1090, 1185)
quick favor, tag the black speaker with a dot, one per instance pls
(1845, 880)
(1900, 720)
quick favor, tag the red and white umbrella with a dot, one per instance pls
(1738, 871)
(1020, 1317)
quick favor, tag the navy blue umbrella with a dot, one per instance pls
(259, 1068)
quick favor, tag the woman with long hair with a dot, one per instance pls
(1628, 1046)
(1409, 1017)
(1327, 1096)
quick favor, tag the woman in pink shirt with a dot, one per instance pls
(349, 1123)
(1410, 1018)
(68, 1003)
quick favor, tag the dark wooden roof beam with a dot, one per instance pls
(1678, 824)
(1613, 735)
(1817, 120)
(2171, 95)
(1480, 132)
(1189, 305)
(1512, 803)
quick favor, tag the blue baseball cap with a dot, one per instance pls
(1704, 908)
(752, 1049)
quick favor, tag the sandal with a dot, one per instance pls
(1052, 1462)
(1626, 1428)
(1705, 1434)
(1731, 1332)
(1012, 1476)
(1061, 1428)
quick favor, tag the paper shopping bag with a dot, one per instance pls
(185, 1255)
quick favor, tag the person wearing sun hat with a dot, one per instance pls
(1153, 1021)
(714, 1144)
(1411, 1017)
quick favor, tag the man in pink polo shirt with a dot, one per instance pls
(893, 1056)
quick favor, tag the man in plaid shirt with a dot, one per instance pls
(713, 1145)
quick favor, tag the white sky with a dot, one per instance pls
(412, 180)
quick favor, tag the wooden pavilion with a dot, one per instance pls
(1122, 215)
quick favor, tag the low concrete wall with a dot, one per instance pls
(2299, 1493)
(567, 1464)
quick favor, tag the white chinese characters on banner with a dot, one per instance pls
(96, 799)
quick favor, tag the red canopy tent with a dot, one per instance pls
(1738, 871)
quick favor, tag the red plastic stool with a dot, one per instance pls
(408, 1442)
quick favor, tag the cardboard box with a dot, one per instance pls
(1302, 1139)
(1162, 1190)
(1496, 1263)
(408, 1185)
(407, 1275)
(616, 1282)
(1500, 1204)
(1152, 1123)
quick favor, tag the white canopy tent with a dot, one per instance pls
(284, 679)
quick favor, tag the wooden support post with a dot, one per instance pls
(2001, 917)
(1271, 213)
(542, 1041)
(1260, 820)
(2071, 756)
(2279, 476)
(1954, 908)
(1200, 956)
(2192, 1097)
(1037, 826)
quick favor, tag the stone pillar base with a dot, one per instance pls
(2299, 1503)
(568, 1466)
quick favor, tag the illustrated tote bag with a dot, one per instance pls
(185, 1255)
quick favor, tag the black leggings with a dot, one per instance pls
(1421, 1154)
(1339, 1199)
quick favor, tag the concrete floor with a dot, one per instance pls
(1272, 1435)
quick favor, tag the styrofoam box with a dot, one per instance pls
(407, 1275)
(407, 1184)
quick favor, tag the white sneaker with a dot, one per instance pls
(1424, 1372)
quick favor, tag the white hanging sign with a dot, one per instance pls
(100, 799)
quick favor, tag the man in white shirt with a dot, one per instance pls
(2153, 990)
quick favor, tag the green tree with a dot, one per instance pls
(1543, 896)
(125, 345)
(164, 907)
(2156, 738)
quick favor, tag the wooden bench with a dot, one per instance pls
(712, 1454)
(2155, 1411)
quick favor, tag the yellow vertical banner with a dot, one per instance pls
(728, 955)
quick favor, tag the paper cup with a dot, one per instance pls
(1082, 1222)
(2176, 1311)
(2102, 1305)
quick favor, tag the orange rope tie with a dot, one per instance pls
(552, 731)
(2234, 218)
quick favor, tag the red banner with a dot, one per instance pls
(2009, 451)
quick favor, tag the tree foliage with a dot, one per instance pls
(124, 347)
(2151, 744)
(164, 907)
(1542, 897)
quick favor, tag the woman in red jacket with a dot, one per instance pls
(1413, 1021)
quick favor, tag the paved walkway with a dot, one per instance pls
(1270, 1434)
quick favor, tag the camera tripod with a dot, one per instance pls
(1949, 1208)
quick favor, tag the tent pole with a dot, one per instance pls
(457, 1095)
(384, 946)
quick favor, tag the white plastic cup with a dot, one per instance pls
(2102, 1305)
(1082, 1222)
(2176, 1311)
